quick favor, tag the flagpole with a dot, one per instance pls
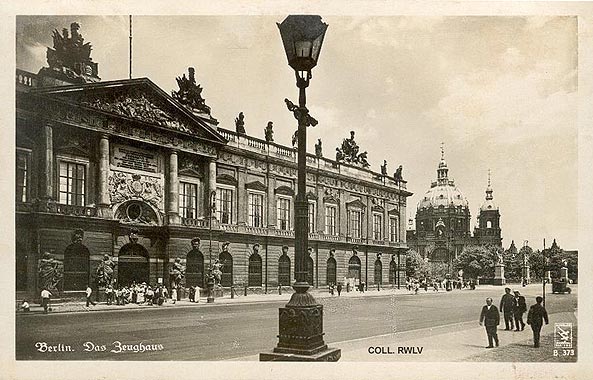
(130, 19)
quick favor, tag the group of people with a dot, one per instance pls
(414, 285)
(513, 306)
(337, 287)
(141, 294)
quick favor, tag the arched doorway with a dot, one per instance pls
(331, 271)
(194, 272)
(227, 268)
(76, 267)
(378, 272)
(392, 271)
(284, 270)
(310, 265)
(132, 264)
(254, 270)
(354, 268)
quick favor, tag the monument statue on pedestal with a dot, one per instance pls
(105, 271)
(177, 273)
(51, 273)
(499, 278)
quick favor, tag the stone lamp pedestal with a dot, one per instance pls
(499, 275)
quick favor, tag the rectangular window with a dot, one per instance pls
(188, 200)
(312, 216)
(256, 210)
(72, 183)
(224, 205)
(393, 229)
(355, 223)
(283, 208)
(377, 226)
(22, 175)
(330, 219)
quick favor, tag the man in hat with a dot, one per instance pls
(490, 318)
(507, 304)
(519, 309)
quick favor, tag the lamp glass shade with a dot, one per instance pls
(302, 37)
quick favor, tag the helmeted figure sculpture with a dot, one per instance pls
(105, 271)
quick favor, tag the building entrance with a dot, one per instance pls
(132, 265)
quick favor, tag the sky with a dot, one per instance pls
(499, 92)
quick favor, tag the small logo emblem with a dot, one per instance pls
(563, 335)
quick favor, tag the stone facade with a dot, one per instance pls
(111, 158)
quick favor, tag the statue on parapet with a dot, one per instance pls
(384, 168)
(318, 149)
(295, 139)
(190, 93)
(398, 174)
(349, 153)
(269, 132)
(240, 124)
(71, 56)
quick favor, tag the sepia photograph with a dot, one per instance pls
(297, 187)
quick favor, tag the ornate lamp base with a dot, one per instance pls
(301, 331)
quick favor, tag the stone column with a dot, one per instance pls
(173, 181)
(103, 201)
(241, 197)
(48, 164)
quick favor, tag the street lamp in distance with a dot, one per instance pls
(300, 335)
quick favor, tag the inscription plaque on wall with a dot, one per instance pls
(134, 158)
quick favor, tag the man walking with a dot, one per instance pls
(520, 308)
(507, 304)
(45, 295)
(537, 314)
(89, 291)
(490, 318)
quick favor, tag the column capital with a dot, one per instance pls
(104, 136)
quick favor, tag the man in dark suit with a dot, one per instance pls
(537, 314)
(507, 304)
(490, 317)
(520, 308)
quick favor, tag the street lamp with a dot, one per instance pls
(300, 335)
(210, 281)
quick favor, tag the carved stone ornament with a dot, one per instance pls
(349, 153)
(126, 186)
(190, 93)
(136, 105)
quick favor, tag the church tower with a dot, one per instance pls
(488, 230)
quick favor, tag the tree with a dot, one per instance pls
(476, 261)
(536, 265)
(416, 266)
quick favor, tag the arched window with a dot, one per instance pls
(255, 275)
(227, 269)
(488, 224)
(378, 272)
(354, 267)
(194, 272)
(284, 270)
(310, 266)
(76, 267)
(392, 272)
(331, 271)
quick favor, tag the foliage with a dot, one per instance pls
(416, 266)
(476, 261)
(514, 263)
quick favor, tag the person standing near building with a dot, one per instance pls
(339, 288)
(507, 304)
(520, 308)
(174, 295)
(89, 291)
(490, 318)
(45, 296)
(537, 314)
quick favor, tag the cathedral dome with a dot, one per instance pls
(443, 192)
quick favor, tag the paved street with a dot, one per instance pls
(242, 330)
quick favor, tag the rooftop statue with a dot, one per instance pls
(318, 150)
(348, 153)
(398, 174)
(240, 124)
(71, 56)
(190, 93)
(384, 168)
(269, 132)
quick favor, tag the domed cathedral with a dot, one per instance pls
(442, 227)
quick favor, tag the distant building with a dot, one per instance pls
(123, 169)
(443, 220)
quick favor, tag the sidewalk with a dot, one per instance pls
(464, 341)
(80, 306)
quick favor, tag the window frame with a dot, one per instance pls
(312, 218)
(377, 218)
(393, 229)
(279, 200)
(182, 196)
(333, 218)
(219, 209)
(250, 195)
(27, 177)
(358, 224)
(85, 183)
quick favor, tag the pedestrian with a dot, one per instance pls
(25, 306)
(108, 294)
(331, 289)
(174, 295)
(520, 308)
(45, 296)
(192, 294)
(490, 318)
(149, 295)
(537, 314)
(339, 288)
(89, 291)
(507, 304)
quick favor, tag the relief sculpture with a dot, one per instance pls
(126, 186)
